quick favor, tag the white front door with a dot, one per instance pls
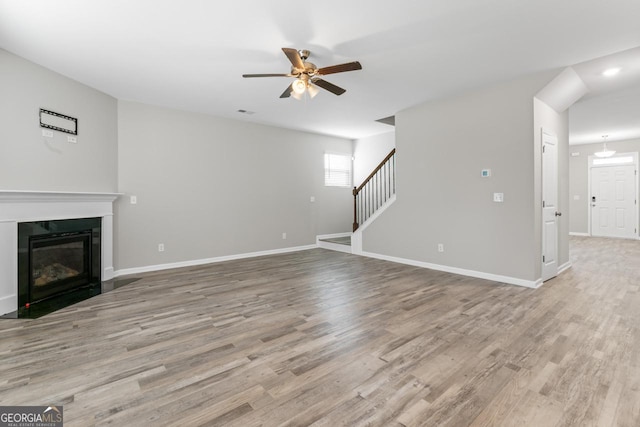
(613, 201)
(550, 211)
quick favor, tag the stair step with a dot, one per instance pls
(346, 240)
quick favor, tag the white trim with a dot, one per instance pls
(461, 271)
(356, 238)
(159, 267)
(336, 153)
(55, 196)
(633, 155)
(549, 270)
(8, 303)
(26, 206)
(635, 163)
(564, 267)
(333, 246)
(572, 233)
(331, 236)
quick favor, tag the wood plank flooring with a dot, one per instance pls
(326, 338)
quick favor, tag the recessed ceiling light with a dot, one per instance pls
(611, 72)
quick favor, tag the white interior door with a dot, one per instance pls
(613, 201)
(550, 211)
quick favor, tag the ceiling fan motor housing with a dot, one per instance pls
(309, 70)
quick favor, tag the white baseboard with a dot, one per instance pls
(564, 267)
(579, 234)
(150, 268)
(463, 272)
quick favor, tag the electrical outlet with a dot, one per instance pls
(284, 236)
(440, 247)
(47, 133)
(72, 139)
(160, 247)
(134, 200)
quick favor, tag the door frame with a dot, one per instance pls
(546, 273)
(590, 165)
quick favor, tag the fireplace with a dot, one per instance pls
(57, 257)
(43, 209)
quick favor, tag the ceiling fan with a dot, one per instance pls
(308, 75)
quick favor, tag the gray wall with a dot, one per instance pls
(28, 161)
(210, 187)
(441, 197)
(579, 179)
(369, 152)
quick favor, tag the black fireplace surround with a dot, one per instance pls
(56, 258)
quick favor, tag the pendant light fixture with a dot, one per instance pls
(605, 152)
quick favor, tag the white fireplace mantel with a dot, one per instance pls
(27, 206)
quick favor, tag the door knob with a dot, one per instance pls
(558, 213)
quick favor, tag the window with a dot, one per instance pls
(337, 170)
(613, 161)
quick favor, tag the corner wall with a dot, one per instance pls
(29, 161)
(441, 196)
(369, 152)
(210, 187)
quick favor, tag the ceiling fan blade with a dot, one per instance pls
(341, 68)
(287, 92)
(267, 75)
(294, 57)
(336, 90)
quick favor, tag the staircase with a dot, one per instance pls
(375, 191)
(369, 200)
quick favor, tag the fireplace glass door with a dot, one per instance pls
(58, 263)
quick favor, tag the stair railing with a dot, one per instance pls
(374, 191)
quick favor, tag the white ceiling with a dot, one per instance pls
(190, 54)
(612, 106)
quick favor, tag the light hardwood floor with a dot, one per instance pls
(325, 338)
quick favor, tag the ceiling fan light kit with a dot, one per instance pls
(299, 86)
(307, 75)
